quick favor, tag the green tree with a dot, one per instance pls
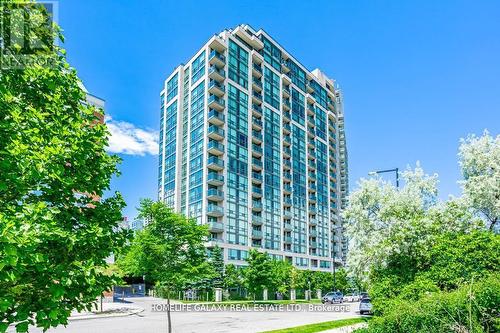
(54, 231)
(258, 273)
(232, 277)
(217, 262)
(280, 275)
(480, 164)
(170, 250)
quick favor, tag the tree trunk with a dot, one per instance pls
(169, 319)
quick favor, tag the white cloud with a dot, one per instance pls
(128, 139)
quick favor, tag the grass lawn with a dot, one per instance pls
(311, 328)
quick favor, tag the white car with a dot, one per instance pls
(365, 306)
(351, 298)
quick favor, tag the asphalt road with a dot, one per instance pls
(153, 319)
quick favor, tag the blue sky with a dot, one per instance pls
(416, 75)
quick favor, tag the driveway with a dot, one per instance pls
(152, 319)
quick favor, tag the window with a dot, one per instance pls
(172, 86)
(198, 68)
(238, 64)
(271, 88)
(272, 54)
(298, 107)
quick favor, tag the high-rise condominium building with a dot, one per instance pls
(252, 144)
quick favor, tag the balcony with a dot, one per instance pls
(215, 117)
(313, 244)
(286, 79)
(257, 97)
(214, 210)
(310, 99)
(256, 192)
(256, 220)
(287, 201)
(216, 74)
(215, 163)
(257, 57)
(256, 234)
(313, 222)
(286, 105)
(287, 151)
(257, 70)
(215, 132)
(215, 148)
(249, 37)
(287, 188)
(310, 111)
(256, 136)
(286, 92)
(256, 164)
(312, 187)
(256, 177)
(213, 178)
(313, 210)
(216, 88)
(284, 67)
(216, 43)
(256, 205)
(287, 164)
(215, 58)
(313, 198)
(257, 110)
(215, 227)
(257, 123)
(286, 116)
(256, 150)
(215, 195)
(287, 240)
(312, 165)
(312, 175)
(309, 88)
(215, 102)
(287, 226)
(287, 213)
(311, 155)
(311, 132)
(310, 120)
(287, 141)
(256, 84)
(287, 128)
(313, 233)
(287, 176)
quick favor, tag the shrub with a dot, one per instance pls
(472, 308)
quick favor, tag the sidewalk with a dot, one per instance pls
(108, 310)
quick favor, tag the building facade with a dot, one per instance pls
(253, 145)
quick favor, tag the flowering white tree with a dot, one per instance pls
(383, 220)
(480, 163)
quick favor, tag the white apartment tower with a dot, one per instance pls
(253, 145)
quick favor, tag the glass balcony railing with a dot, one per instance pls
(256, 233)
(214, 114)
(215, 145)
(212, 208)
(257, 162)
(257, 121)
(215, 99)
(215, 54)
(215, 161)
(212, 129)
(257, 175)
(257, 148)
(212, 192)
(214, 70)
(257, 108)
(214, 176)
(257, 135)
(215, 226)
(215, 84)
(258, 68)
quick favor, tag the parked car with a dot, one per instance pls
(333, 297)
(365, 306)
(351, 298)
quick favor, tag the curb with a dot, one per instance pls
(111, 315)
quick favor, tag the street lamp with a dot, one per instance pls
(396, 170)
